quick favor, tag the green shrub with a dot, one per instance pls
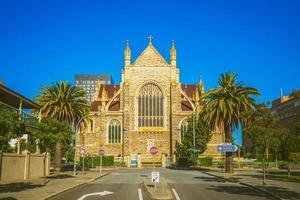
(184, 162)
(249, 155)
(206, 161)
(107, 161)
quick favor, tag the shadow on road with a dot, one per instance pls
(17, 187)
(238, 190)
(282, 192)
(260, 177)
(61, 176)
(210, 179)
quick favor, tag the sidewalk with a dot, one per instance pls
(35, 189)
(278, 188)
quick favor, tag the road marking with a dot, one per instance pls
(95, 194)
(140, 194)
(175, 194)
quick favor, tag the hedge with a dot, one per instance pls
(206, 161)
(106, 161)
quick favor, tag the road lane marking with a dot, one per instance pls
(140, 194)
(175, 194)
(95, 194)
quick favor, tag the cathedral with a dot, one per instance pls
(148, 108)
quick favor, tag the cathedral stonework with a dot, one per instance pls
(148, 108)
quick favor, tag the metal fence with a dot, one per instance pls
(29, 119)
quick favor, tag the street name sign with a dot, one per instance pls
(226, 147)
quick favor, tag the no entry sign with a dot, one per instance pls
(153, 151)
(101, 152)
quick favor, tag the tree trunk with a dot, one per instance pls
(267, 160)
(58, 156)
(276, 159)
(228, 155)
(264, 166)
(228, 163)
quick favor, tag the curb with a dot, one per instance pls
(245, 184)
(74, 186)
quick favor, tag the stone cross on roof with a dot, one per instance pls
(150, 37)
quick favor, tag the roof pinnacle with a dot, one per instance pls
(127, 54)
(173, 54)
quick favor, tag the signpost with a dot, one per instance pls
(153, 152)
(155, 177)
(83, 151)
(101, 153)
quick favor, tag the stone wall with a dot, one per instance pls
(16, 167)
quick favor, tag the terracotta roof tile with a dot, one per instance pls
(189, 89)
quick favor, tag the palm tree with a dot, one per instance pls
(65, 103)
(225, 106)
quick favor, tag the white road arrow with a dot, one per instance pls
(95, 194)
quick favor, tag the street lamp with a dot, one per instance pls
(76, 130)
(194, 139)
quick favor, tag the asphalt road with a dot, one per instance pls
(125, 184)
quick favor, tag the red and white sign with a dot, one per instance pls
(83, 150)
(101, 152)
(153, 151)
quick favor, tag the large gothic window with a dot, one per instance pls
(114, 131)
(150, 106)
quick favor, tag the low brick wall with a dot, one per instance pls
(14, 167)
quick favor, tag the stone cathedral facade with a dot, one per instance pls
(148, 108)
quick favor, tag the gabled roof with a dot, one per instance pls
(150, 57)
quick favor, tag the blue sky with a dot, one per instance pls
(47, 41)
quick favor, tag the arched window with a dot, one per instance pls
(150, 106)
(183, 128)
(114, 131)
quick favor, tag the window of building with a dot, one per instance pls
(114, 131)
(150, 106)
(183, 128)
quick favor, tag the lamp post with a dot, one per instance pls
(76, 130)
(194, 139)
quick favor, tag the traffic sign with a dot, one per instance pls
(153, 151)
(226, 147)
(83, 150)
(101, 152)
(155, 177)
